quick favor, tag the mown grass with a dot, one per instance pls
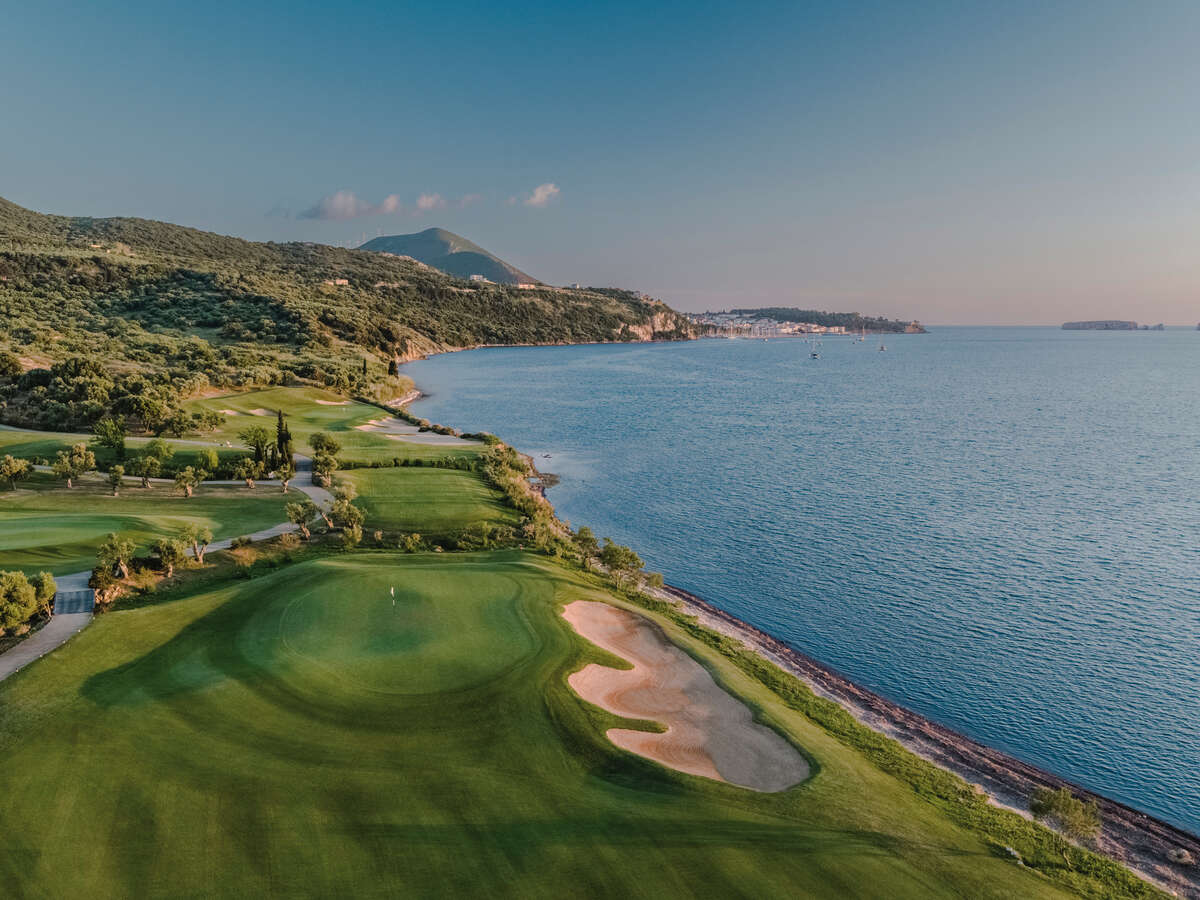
(27, 444)
(280, 727)
(298, 734)
(44, 526)
(305, 416)
(426, 500)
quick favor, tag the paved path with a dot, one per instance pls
(53, 634)
(74, 601)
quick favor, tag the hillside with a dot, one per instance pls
(451, 253)
(170, 311)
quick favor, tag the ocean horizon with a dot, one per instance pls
(996, 527)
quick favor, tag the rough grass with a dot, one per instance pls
(45, 526)
(298, 734)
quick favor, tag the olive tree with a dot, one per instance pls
(187, 479)
(44, 589)
(69, 465)
(199, 537)
(170, 553)
(286, 472)
(116, 475)
(300, 514)
(247, 470)
(13, 470)
(115, 553)
(18, 600)
(145, 468)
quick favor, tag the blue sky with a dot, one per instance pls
(956, 162)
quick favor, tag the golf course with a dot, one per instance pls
(302, 734)
(46, 527)
(336, 719)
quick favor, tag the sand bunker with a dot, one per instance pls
(709, 732)
(261, 412)
(334, 402)
(399, 430)
(229, 412)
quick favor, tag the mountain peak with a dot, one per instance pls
(450, 252)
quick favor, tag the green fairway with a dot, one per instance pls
(27, 444)
(46, 527)
(426, 500)
(36, 444)
(310, 410)
(305, 734)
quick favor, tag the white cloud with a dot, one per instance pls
(427, 202)
(542, 194)
(346, 205)
(338, 207)
(470, 200)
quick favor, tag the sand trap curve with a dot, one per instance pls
(333, 402)
(709, 732)
(399, 430)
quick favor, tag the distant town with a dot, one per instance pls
(780, 322)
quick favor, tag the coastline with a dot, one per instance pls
(1136, 839)
(1133, 838)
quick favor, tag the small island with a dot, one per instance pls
(1101, 325)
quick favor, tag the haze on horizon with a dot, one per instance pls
(957, 163)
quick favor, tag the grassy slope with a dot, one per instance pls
(299, 734)
(45, 526)
(428, 501)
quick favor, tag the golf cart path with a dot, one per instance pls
(73, 601)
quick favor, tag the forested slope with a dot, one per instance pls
(172, 310)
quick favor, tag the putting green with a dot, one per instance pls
(296, 734)
(404, 640)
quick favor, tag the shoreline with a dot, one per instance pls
(1136, 839)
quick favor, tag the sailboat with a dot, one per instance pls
(881, 344)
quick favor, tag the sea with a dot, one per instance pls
(996, 527)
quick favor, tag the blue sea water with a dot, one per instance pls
(996, 527)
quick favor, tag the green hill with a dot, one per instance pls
(143, 308)
(451, 253)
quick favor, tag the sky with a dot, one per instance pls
(954, 162)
